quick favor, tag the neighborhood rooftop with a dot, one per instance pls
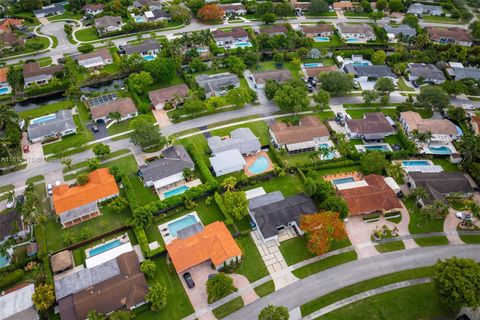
(404, 29)
(373, 71)
(309, 127)
(436, 126)
(360, 28)
(123, 106)
(241, 139)
(371, 124)
(163, 95)
(276, 75)
(146, 45)
(63, 121)
(426, 71)
(234, 33)
(216, 82)
(440, 183)
(455, 33)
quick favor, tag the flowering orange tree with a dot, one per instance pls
(210, 12)
(321, 229)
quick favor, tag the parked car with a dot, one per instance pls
(463, 216)
(415, 84)
(309, 87)
(356, 85)
(468, 106)
(188, 280)
(11, 203)
(50, 188)
(94, 128)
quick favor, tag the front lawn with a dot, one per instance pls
(228, 308)
(118, 127)
(295, 250)
(440, 19)
(252, 265)
(419, 224)
(324, 264)
(259, 129)
(358, 113)
(88, 34)
(390, 246)
(265, 289)
(82, 136)
(66, 15)
(402, 86)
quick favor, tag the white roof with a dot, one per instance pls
(351, 185)
(225, 160)
(149, 14)
(392, 184)
(455, 64)
(108, 255)
(16, 301)
(253, 193)
(92, 62)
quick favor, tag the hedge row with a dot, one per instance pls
(275, 156)
(219, 201)
(331, 164)
(129, 192)
(302, 175)
(143, 242)
(201, 165)
(7, 279)
(406, 143)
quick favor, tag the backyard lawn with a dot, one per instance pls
(446, 165)
(252, 266)
(46, 109)
(335, 41)
(287, 185)
(270, 65)
(88, 34)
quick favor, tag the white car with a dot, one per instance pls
(463, 216)
(49, 188)
(11, 204)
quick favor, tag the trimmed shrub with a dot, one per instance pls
(275, 156)
(7, 279)
(219, 201)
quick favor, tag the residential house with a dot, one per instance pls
(33, 74)
(370, 195)
(213, 244)
(215, 85)
(80, 203)
(150, 4)
(306, 136)
(50, 10)
(260, 78)
(314, 72)
(5, 87)
(95, 59)
(167, 170)
(319, 30)
(12, 226)
(455, 35)
(8, 24)
(475, 124)
(10, 40)
(401, 30)
(107, 24)
(235, 9)
(444, 128)
(93, 9)
(301, 6)
(420, 9)
(148, 48)
(228, 39)
(17, 303)
(274, 31)
(170, 95)
(241, 139)
(459, 73)
(427, 72)
(226, 162)
(439, 185)
(157, 15)
(114, 285)
(125, 107)
(272, 212)
(373, 126)
(343, 6)
(356, 32)
(58, 124)
(370, 73)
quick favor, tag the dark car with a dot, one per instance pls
(415, 84)
(188, 280)
(94, 128)
(309, 87)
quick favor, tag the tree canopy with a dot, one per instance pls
(322, 229)
(274, 313)
(337, 83)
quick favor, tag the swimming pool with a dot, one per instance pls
(440, 150)
(242, 44)
(201, 50)
(43, 119)
(4, 90)
(360, 64)
(330, 155)
(139, 19)
(321, 39)
(180, 224)
(175, 192)
(260, 165)
(104, 247)
(379, 147)
(343, 180)
(411, 163)
(313, 64)
(148, 58)
(352, 40)
(3, 261)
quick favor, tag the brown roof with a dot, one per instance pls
(104, 53)
(121, 291)
(476, 122)
(456, 33)
(277, 75)
(11, 38)
(301, 5)
(166, 94)
(314, 72)
(33, 69)
(377, 196)
(273, 30)
(342, 5)
(3, 74)
(374, 122)
(93, 6)
(124, 106)
(235, 32)
(436, 126)
(316, 29)
(5, 24)
(61, 261)
(232, 6)
(308, 129)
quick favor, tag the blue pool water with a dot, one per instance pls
(4, 90)
(43, 119)
(243, 44)
(104, 247)
(409, 163)
(440, 150)
(313, 64)
(180, 224)
(176, 191)
(148, 58)
(140, 19)
(321, 39)
(201, 50)
(361, 64)
(352, 40)
(259, 166)
(3, 261)
(459, 131)
(343, 180)
(330, 154)
(377, 148)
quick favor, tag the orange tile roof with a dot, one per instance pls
(101, 184)
(4, 25)
(214, 243)
(3, 74)
(342, 5)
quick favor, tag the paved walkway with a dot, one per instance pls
(239, 281)
(450, 225)
(364, 295)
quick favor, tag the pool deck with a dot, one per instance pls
(355, 175)
(426, 149)
(190, 184)
(123, 239)
(250, 160)
(165, 233)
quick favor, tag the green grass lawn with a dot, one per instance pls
(265, 289)
(446, 165)
(416, 302)
(259, 128)
(66, 15)
(393, 139)
(118, 127)
(73, 141)
(270, 65)
(252, 266)
(418, 224)
(324, 264)
(358, 113)
(390, 246)
(470, 239)
(356, 14)
(46, 109)
(144, 195)
(45, 207)
(178, 304)
(228, 308)
(363, 286)
(402, 86)
(288, 185)
(84, 164)
(440, 19)
(88, 34)
(335, 41)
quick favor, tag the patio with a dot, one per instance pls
(357, 176)
(177, 185)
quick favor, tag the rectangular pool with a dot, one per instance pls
(313, 65)
(43, 119)
(104, 247)
(180, 224)
(148, 58)
(242, 44)
(350, 40)
(321, 39)
(411, 163)
(343, 180)
(380, 147)
(175, 192)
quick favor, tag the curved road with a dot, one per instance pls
(332, 279)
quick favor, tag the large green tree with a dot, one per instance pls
(373, 162)
(145, 134)
(219, 286)
(385, 85)
(336, 82)
(274, 313)
(161, 69)
(139, 82)
(292, 97)
(236, 204)
(43, 297)
(157, 296)
(433, 98)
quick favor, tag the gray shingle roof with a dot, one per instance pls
(440, 183)
(242, 139)
(217, 82)
(270, 216)
(464, 73)
(108, 21)
(404, 29)
(375, 71)
(175, 160)
(265, 199)
(145, 46)
(56, 7)
(420, 8)
(426, 71)
(78, 212)
(63, 121)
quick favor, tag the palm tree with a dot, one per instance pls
(395, 170)
(474, 209)
(326, 152)
(419, 193)
(310, 186)
(67, 162)
(314, 155)
(470, 148)
(229, 184)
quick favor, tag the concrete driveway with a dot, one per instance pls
(102, 130)
(450, 224)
